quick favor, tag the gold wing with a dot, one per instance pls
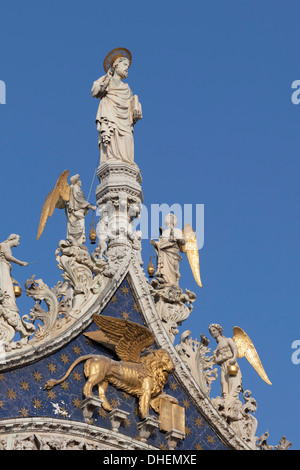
(246, 349)
(126, 337)
(57, 198)
(192, 252)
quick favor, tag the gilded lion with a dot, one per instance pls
(143, 377)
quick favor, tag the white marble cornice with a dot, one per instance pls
(62, 430)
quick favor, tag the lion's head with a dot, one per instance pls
(159, 365)
(167, 362)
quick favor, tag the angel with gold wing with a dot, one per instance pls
(141, 376)
(226, 355)
(171, 242)
(71, 198)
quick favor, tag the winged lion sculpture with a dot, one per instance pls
(141, 376)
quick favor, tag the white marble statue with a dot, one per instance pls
(118, 111)
(6, 258)
(226, 355)
(170, 243)
(104, 233)
(10, 321)
(77, 208)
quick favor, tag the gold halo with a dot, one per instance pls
(114, 55)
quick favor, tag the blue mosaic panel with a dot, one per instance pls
(22, 392)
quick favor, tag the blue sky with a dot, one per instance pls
(219, 129)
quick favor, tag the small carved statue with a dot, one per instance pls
(118, 111)
(104, 232)
(174, 307)
(3, 444)
(10, 321)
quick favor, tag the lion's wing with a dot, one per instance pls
(129, 338)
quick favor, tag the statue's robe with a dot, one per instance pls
(10, 321)
(231, 386)
(168, 257)
(6, 282)
(115, 120)
(77, 210)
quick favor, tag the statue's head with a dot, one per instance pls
(215, 330)
(160, 360)
(170, 220)
(120, 67)
(75, 180)
(14, 239)
(118, 61)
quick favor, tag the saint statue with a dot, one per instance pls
(118, 111)
(170, 243)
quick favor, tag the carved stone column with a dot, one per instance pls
(119, 196)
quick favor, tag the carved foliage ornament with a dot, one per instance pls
(195, 356)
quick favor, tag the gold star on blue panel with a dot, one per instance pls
(22, 393)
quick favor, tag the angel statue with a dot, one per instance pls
(229, 405)
(226, 355)
(168, 246)
(170, 243)
(118, 111)
(143, 376)
(70, 198)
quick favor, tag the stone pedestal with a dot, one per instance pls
(88, 406)
(119, 197)
(173, 437)
(119, 177)
(146, 426)
(116, 417)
